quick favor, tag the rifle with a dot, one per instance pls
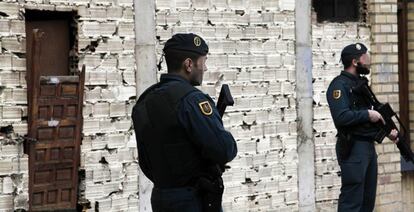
(388, 114)
(225, 99)
(212, 186)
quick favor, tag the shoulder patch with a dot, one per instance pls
(205, 108)
(337, 94)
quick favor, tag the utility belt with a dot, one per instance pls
(346, 141)
(363, 138)
(208, 189)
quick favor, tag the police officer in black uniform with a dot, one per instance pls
(180, 135)
(357, 125)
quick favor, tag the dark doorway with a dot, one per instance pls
(54, 111)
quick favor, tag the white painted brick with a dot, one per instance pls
(113, 45)
(95, 29)
(116, 141)
(123, 93)
(237, 4)
(133, 203)
(109, 63)
(11, 113)
(9, 150)
(273, 61)
(101, 109)
(17, 27)
(182, 4)
(101, 173)
(119, 203)
(18, 64)
(94, 191)
(6, 202)
(126, 29)
(10, 9)
(104, 204)
(5, 62)
(106, 126)
(5, 166)
(91, 61)
(186, 16)
(93, 95)
(13, 44)
(219, 4)
(117, 109)
(90, 126)
(109, 94)
(126, 61)
(126, 3)
(4, 27)
(98, 13)
(7, 185)
(96, 78)
(102, 2)
(113, 78)
(288, 5)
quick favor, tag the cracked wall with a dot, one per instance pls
(252, 49)
(252, 45)
(328, 40)
(105, 45)
(379, 33)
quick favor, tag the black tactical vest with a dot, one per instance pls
(170, 156)
(358, 101)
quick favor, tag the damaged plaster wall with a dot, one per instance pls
(252, 48)
(13, 108)
(109, 168)
(379, 32)
(252, 45)
(108, 151)
(328, 41)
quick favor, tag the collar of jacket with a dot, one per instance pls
(349, 75)
(172, 77)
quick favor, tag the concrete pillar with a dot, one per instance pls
(146, 73)
(304, 94)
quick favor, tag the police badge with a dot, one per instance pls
(205, 108)
(337, 94)
(197, 41)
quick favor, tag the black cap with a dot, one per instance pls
(186, 42)
(354, 50)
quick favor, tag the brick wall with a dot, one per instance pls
(109, 174)
(13, 109)
(407, 178)
(252, 49)
(328, 40)
(380, 34)
(108, 151)
(384, 60)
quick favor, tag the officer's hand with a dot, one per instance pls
(393, 136)
(374, 116)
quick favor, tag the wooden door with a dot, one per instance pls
(55, 121)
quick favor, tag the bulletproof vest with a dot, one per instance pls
(358, 102)
(171, 156)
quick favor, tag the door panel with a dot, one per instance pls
(55, 121)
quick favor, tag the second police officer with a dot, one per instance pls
(355, 121)
(180, 135)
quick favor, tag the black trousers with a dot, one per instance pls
(183, 199)
(359, 178)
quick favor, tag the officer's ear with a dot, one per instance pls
(188, 64)
(355, 62)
